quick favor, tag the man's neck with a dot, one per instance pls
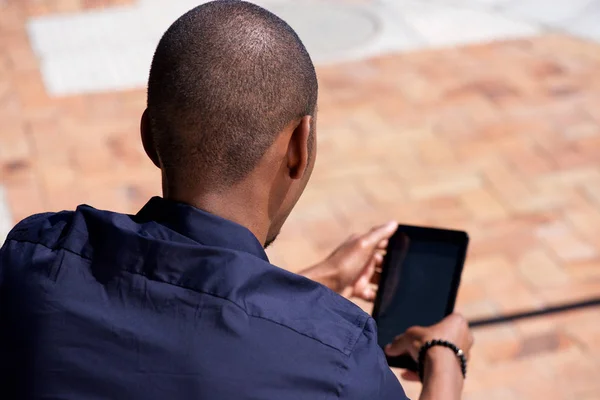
(238, 204)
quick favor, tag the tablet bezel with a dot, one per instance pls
(425, 234)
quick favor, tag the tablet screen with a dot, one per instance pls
(418, 283)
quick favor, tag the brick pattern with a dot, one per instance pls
(499, 139)
(496, 139)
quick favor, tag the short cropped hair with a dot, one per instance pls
(226, 78)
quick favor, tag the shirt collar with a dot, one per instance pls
(201, 226)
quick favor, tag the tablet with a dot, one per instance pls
(419, 282)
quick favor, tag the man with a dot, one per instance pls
(179, 301)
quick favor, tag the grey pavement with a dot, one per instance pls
(111, 49)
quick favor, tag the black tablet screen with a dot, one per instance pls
(417, 286)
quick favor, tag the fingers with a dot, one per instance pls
(408, 343)
(372, 270)
(368, 293)
(363, 288)
(376, 278)
(400, 345)
(383, 244)
(376, 235)
(378, 261)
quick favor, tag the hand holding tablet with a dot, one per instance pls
(419, 283)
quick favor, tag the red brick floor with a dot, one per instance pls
(502, 140)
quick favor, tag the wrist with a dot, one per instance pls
(441, 365)
(439, 356)
(326, 274)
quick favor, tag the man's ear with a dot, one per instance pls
(298, 148)
(147, 139)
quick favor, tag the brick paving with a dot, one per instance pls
(500, 139)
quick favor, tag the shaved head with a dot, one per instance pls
(226, 79)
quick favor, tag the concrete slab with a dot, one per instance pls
(110, 49)
(101, 50)
(333, 31)
(550, 13)
(442, 25)
(585, 25)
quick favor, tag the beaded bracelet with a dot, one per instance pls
(459, 354)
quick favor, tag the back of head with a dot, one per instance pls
(226, 78)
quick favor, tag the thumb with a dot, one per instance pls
(407, 343)
(379, 233)
(400, 346)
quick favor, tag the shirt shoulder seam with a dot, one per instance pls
(241, 308)
(9, 239)
(346, 368)
(194, 290)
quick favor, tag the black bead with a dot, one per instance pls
(437, 342)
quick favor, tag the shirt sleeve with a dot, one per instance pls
(368, 375)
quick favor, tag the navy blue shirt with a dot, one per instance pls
(172, 303)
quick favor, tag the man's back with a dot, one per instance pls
(172, 303)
